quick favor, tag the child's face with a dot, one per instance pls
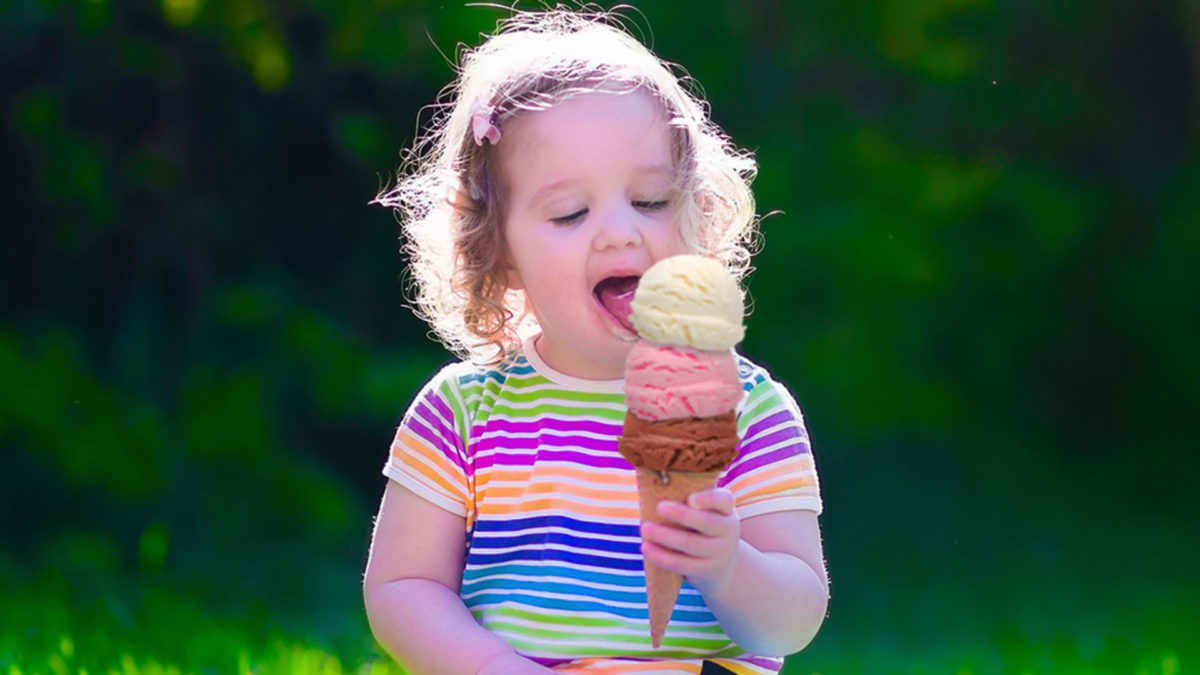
(591, 198)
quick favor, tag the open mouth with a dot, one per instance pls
(615, 295)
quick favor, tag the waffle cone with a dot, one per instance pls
(662, 586)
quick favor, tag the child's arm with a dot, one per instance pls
(763, 577)
(411, 587)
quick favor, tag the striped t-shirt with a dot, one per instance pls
(528, 457)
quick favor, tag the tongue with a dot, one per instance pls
(616, 298)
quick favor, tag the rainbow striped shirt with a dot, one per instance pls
(528, 456)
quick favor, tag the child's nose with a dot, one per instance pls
(618, 228)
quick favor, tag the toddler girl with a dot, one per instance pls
(566, 160)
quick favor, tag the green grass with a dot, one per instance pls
(50, 629)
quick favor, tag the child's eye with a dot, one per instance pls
(569, 218)
(652, 205)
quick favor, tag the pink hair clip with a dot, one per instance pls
(483, 124)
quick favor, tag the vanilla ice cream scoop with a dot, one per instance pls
(688, 300)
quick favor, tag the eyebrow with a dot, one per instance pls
(646, 170)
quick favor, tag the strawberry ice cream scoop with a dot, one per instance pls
(670, 381)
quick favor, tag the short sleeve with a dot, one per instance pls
(774, 469)
(428, 453)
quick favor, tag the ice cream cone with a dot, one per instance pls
(662, 586)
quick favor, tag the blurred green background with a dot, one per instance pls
(980, 284)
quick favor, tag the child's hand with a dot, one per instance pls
(705, 550)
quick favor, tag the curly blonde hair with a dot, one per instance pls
(449, 198)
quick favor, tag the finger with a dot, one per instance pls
(692, 545)
(710, 523)
(670, 558)
(671, 538)
(719, 500)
